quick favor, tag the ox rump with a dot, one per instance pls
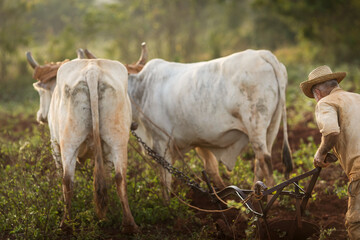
(216, 107)
(89, 114)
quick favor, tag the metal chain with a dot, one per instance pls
(165, 164)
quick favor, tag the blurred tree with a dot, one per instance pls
(14, 31)
(177, 30)
(54, 24)
(271, 31)
(120, 26)
(331, 24)
(59, 25)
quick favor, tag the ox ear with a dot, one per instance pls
(43, 86)
(80, 54)
(38, 85)
(89, 54)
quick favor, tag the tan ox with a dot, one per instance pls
(89, 113)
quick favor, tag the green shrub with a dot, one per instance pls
(30, 194)
(304, 156)
(340, 189)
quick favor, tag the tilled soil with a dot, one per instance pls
(327, 211)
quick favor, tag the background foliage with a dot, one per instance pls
(302, 34)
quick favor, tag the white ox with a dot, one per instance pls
(216, 107)
(89, 113)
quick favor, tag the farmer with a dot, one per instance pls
(338, 118)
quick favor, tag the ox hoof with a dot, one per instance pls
(130, 229)
(134, 126)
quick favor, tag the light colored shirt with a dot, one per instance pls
(339, 112)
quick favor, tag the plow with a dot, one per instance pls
(255, 201)
(259, 200)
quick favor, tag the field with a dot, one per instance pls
(31, 202)
(302, 35)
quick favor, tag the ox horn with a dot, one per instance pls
(144, 54)
(31, 60)
(80, 53)
(89, 54)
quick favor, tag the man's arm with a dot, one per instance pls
(327, 143)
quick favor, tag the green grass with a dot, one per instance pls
(31, 204)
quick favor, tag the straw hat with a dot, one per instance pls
(319, 75)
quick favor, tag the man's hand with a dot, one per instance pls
(319, 160)
(327, 142)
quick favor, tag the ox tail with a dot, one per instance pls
(286, 153)
(100, 187)
(281, 76)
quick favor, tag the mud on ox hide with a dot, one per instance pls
(216, 107)
(89, 114)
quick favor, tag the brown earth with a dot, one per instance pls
(327, 211)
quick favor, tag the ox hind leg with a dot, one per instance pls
(165, 176)
(68, 155)
(72, 136)
(262, 148)
(114, 129)
(211, 166)
(263, 166)
(119, 157)
(56, 153)
(166, 179)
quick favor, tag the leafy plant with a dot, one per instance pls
(303, 157)
(326, 233)
(340, 189)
